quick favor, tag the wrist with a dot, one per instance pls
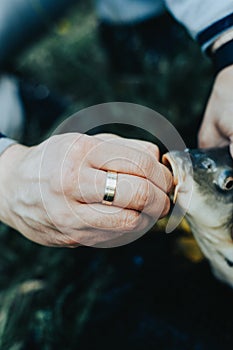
(222, 40)
(223, 57)
(216, 41)
(8, 167)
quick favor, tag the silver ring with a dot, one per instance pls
(110, 188)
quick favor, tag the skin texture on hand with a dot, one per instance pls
(52, 193)
(217, 125)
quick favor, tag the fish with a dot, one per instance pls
(203, 188)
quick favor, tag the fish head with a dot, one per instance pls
(203, 187)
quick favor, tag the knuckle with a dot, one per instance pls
(82, 148)
(152, 149)
(89, 145)
(68, 179)
(63, 181)
(146, 165)
(143, 195)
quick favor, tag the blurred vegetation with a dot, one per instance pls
(146, 295)
(70, 60)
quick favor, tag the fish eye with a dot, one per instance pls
(228, 183)
(225, 181)
(207, 164)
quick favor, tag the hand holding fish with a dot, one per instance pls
(217, 126)
(53, 193)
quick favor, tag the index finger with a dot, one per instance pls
(141, 145)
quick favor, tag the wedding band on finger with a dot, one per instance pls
(110, 187)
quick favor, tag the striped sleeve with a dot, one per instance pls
(206, 20)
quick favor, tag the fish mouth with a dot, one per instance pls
(171, 162)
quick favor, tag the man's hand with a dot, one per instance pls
(52, 193)
(217, 126)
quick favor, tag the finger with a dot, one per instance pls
(103, 224)
(210, 136)
(137, 144)
(106, 239)
(103, 217)
(132, 192)
(109, 156)
(205, 140)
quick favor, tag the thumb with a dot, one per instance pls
(209, 136)
(231, 147)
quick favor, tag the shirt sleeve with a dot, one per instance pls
(5, 142)
(206, 20)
